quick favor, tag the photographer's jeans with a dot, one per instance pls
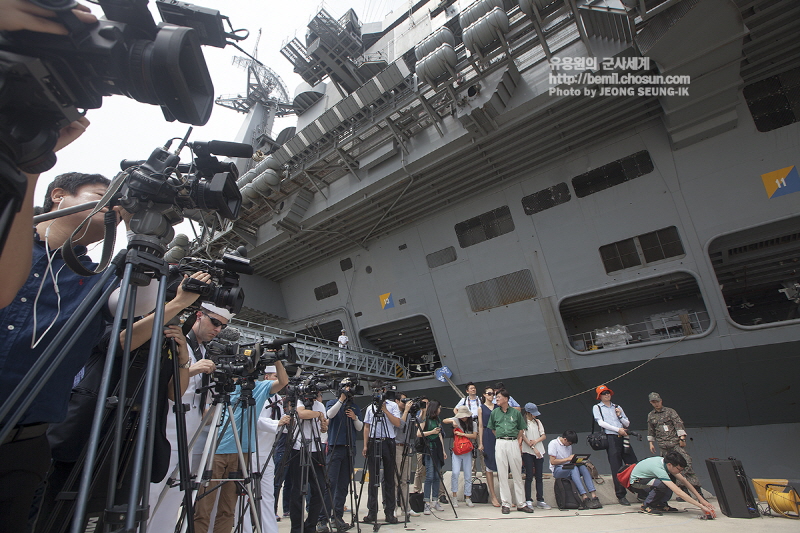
(339, 471)
(462, 463)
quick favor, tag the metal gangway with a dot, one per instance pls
(325, 354)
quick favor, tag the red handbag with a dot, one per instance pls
(624, 475)
(461, 444)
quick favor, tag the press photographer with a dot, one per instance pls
(344, 417)
(306, 461)
(50, 296)
(380, 422)
(56, 63)
(240, 370)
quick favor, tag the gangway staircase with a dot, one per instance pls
(323, 354)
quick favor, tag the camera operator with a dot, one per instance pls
(23, 15)
(312, 423)
(210, 322)
(50, 296)
(226, 458)
(16, 254)
(405, 448)
(379, 446)
(163, 518)
(344, 420)
(270, 421)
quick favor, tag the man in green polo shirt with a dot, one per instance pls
(658, 475)
(508, 426)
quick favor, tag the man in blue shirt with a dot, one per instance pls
(226, 458)
(344, 419)
(48, 298)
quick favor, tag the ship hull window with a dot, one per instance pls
(642, 250)
(774, 102)
(546, 198)
(483, 227)
(442, 257)
(326, 291)
(758, 272)
(613, 174)
(649, 310)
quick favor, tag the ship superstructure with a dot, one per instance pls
(476, 185)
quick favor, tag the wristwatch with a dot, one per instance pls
(186, 365)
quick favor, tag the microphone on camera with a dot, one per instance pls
(229, 335)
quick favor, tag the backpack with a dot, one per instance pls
(567, 495)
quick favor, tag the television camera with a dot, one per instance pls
(350, 388)
(223, 289)
(249, 361)
(47, 81)
(382, 393)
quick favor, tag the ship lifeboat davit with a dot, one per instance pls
(487, 32)
(433, 41)
(437, 66)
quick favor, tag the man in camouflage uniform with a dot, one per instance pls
(665, 428)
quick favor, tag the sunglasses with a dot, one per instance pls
(216, 323)
(489, 393)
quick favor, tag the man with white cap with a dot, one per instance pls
(343, 341)
(210, 320)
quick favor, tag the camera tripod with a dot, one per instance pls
(340, 460)
(428, 451)
(223, 421)
(375, 461)
(304, 462)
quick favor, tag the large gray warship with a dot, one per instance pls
(551, 193)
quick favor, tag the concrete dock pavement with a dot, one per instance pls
(613, 517)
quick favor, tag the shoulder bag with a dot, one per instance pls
(598, 440)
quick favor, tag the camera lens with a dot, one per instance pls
(220, 194)
(172, 72)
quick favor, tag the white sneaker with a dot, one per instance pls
(529, 504)
(427, 509)
(468, 501)
(438, 507)
(412, 512)
(543, 505)
(455, 502)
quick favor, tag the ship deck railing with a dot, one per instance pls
(320, 353)
(664, 328)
